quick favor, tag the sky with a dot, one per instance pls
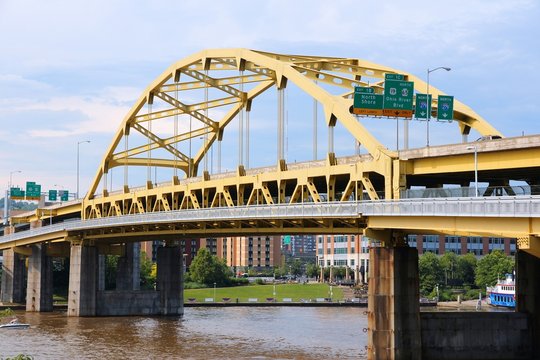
(71, 70)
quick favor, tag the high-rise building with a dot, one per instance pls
(252, 252)
(299, 246)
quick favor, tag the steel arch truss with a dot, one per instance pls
(231, 79)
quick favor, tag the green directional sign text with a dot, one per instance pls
(52, 195)
(398, 98)
(421, 110)
(366, 102)
(394, 77)
(16, 193)
(64, 195)
(445, 108)
(33, 191)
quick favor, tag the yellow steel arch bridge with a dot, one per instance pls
(199, 96)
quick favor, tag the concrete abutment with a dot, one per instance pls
(13, 277)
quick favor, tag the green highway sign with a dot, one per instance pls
(421, 110)
(16, 193)
(394, 77)
(52, 195)
(33, 191)
(398, 98)
(445, 108)
(366, 102)
(64, 195)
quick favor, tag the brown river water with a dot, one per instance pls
(202, 333)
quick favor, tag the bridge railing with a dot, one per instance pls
(518, 206)
(484, 191)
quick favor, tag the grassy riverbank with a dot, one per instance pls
(296, 292)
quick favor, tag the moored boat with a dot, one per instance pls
(503, 293)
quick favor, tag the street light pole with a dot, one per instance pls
(78, 145)
(7, 199)
(214, 292)
(475, 148)
(428, 114)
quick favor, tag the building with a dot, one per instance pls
(299, 246)
(350, 251)
(461, 245)
(189, 248)
(253, 252)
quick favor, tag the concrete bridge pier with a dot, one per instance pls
(13, 276)
(39, 288)
(129, 268)
(170, 279)
(393, 302)
(83, 280)
(528, 294)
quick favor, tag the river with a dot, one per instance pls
(202, 333)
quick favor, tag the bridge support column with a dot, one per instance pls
(39, 288)
(128, 270)
(13, 271)
(393, 301)
(170, 280)
(528, 293)
(83, 280)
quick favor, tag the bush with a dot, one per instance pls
(238, 281)
(472, 294)
(259, 281)
(194, 285)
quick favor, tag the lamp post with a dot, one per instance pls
(428, 115)
(475, 148)
(78, 145)
(7, 198)
(214, 292)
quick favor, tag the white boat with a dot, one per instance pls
(503, 293)
(14, 324)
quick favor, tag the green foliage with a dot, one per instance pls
(6, 312)
(208, 269)
(238, 281)
(194, 285)
(430, 272)
(493, 266)
(148, 275)
(466, 268)
(111, 264)
(259, 281)
(295, 267)
(449, 266)
(21, 357)
(313, 270)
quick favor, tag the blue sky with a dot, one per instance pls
(70, 70)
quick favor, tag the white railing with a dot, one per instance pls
(515, 206)
(519, 206)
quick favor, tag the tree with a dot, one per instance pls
(111, 265)
(208, 269)
(492, 267)
(148, 278)
(449, 264)
(430, 272)
(313, 270)
(466, 268)
(295, 267)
